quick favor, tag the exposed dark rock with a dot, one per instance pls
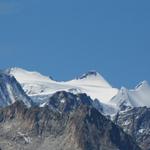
(84, 128)
(66, 102)
(11, 91)
(96, 132)
(136, 122)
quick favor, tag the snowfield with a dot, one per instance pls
(138, 97)
(40, 88)
(37, 85)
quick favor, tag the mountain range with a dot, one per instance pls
(85, 113)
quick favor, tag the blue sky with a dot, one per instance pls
(65, 38)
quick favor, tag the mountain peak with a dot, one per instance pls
(15, 70)
(137, 97)
(11, 91)
(38, 85)
(23, 75)
(93, 77)
(89, 74)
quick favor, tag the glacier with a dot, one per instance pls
(40, 88)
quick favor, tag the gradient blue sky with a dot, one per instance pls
(65, 38)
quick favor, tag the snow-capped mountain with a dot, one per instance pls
(11, 91)
(58, 101)
(40, 87)
(77, 128)
(94, 85)
(138, 97)
(95, 78)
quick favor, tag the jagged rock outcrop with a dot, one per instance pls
(11, 91)
(36, 128)
(65, 102)
(136, 122)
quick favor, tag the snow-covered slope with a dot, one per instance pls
(138, 97)
(92, 78)
(34, 83)
(94, 85)
(39, 87)
(11, 91)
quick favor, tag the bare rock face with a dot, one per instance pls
(96, 132)
(67, 102)
(11, 91)
(84, 128)
(136, 122)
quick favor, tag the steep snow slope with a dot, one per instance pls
(11, 91)
(34, 83)
(138, 97)
(95, 86)
(39, 86)
(92, 78)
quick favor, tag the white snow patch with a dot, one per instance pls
(141, 130)
(62, 100)
(9, 88)
(126, 123)
(138, 97)
(25, 137)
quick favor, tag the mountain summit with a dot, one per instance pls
(37, 85)
(90, 74)
(137, 97)
(41, 87)
(24, 76)
(94, 77)
(37, 111)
